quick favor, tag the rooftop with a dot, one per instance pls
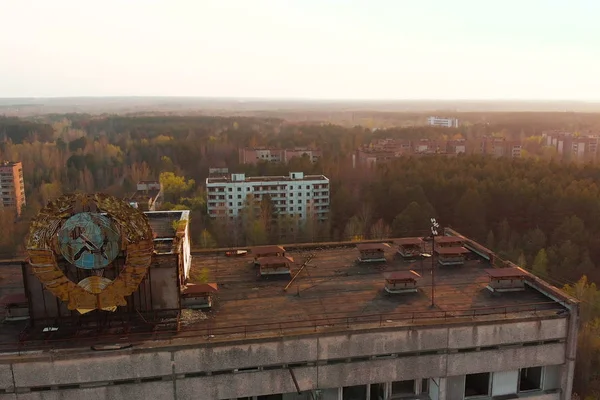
(334, 292)
(335, 287)
(163, 222)
(408, 241)
(227, 179)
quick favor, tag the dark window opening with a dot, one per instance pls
(477, 385)
(271, 397)
(354, 392)
(402, 388)
(377, 391)
(530, 379)
(425, 386)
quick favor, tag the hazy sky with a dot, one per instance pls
(371, 49)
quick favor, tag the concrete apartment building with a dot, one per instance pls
(296, 195)
(496, 147)
(573, 147)
(255, 155)
(443, 122)
(12, 187)
(487, 332)
(384, 150)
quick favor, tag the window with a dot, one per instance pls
(299, 208)
(402, 388)
(425, 386)
(530, 379)
(477, 385)
(230, 189)
(354, 392)
(230, 204)
(239, 196)
(239, 203)
(239, 189)
(230, 196)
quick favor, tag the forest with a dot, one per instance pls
(539, 212)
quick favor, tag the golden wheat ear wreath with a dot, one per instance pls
(94, 292)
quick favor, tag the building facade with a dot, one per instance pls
(256, 155)
(579, 147)
(443, 122)
(495, 147)
(338, 335)
(12, 187)
(297, 195)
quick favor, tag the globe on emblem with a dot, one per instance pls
(89, 240)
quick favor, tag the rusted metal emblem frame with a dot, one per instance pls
(136, 240)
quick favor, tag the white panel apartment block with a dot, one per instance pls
(296, 195)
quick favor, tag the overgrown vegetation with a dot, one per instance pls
(541, 213)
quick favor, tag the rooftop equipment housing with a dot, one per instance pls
(506, 279)
(401, 282)
(410, 248)
(372, 252)
(277, 265)
(451, 255)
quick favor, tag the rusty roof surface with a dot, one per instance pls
(448, 239)
(200, 288)
(402, 276)
(334, 287)
(258, 250)
(372, 246)
(506, 272)
(451, 250)
(275, 260)
(408, 241)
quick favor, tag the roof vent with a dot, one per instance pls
(506, 279)
(372, 252)
(401, 282)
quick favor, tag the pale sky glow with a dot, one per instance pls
(321, 49)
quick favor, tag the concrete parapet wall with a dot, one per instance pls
(492, 335)
(387, 370)
(211, 370)
(246, 384)
(245, 355)
(377, 343)
(505, 359)
(101, 368)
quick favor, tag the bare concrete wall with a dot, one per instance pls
(245, 355)
(6, 378)
(245, 384)
(336, 360)
(505, 359)
(488, 335)
(92, 369)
